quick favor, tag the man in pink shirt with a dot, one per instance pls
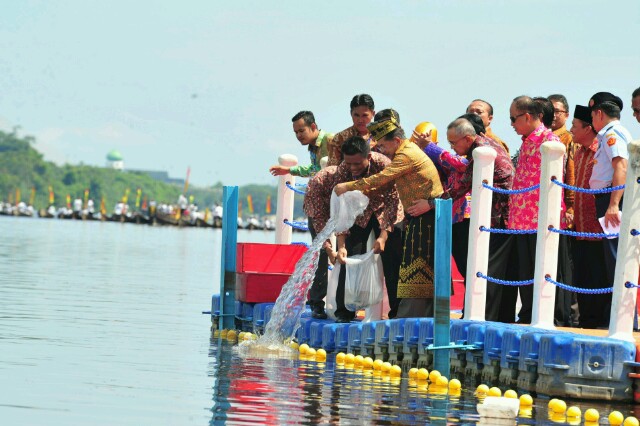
(525, 116)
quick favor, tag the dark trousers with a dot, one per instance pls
(610, 245)
(501, 266)
(318, 289)
(391, 260)
(460, 245)
(525, 247)
(590, 272)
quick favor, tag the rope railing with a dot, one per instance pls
(583, 234)
(297, 191)
(504, 282)
(587, 190)
(301, 185)
(510, 191)
(300, 243)
(581, 290)
(508, 231)
(302, 226)
(629, 284)
(635, 232)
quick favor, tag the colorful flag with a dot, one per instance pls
(32, 199)
(186, 181)
(125, 198)
(68, 201)
(267, 208)
(138, 196)
(52, 198)
(86, 197)
(250, 204)
(17, 196)
(103, 207)
(240, 208)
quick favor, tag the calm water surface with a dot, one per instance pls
(100, 323)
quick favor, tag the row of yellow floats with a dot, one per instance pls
(558, 409)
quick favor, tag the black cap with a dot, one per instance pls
(582, 113)
(601, 97)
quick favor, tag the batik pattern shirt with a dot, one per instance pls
(451, 168)
(489, 133)
(335, 147)
(569, 168)
(523, 208)
(318, 197)
(414, 174)
(584, 212)
(317, 151)
(503, 174)
(384, 202)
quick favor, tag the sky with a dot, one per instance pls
(213, 84)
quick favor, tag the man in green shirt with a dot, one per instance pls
(307, 132)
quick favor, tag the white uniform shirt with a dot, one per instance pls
(612, 143)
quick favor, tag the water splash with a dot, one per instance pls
(285, 317)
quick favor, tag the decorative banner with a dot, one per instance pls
(103, 208)
(144, 203)
(207, 213)
(52, 197)
(250, 204)
(86, 197)
(267, 208)
(125, 199)
(191, 198)
(68, 201)
(17, 196)
(239, 208)
(32, 199)
(138, 196)
(186, 181)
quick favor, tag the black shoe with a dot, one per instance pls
(318, 313)
(342, 320)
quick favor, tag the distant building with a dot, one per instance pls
(115, 160)
(160, 176)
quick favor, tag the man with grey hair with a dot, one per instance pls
(463, 140)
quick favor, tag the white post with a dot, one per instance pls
(549, 211)
(475, 296)
(623, 303)
(284, 209)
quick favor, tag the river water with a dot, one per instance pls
(100, 323)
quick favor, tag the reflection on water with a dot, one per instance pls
(100, 324)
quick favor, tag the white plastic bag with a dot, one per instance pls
(346, 208)
(330, 305)
(363, 285)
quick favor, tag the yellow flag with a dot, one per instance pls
(51, 195)
(250, 204)
(267, 208)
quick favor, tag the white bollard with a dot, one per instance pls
(623, 303)
(549, 211)
(475, 295)
(284, 209)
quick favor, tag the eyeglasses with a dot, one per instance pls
(559, 111)
(513, 119)
(456, 141)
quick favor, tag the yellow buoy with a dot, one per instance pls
(303, 348)
(631, 421)
(559, 407)
(442, 381)
(223, 333)
(386, 366)
(395, 371)
(591, 415)
(377, 364)
(413, 373)
(294, 346)
(422, 374)
(321, 355)
(616, 418)
(241, 335)
(367, 363)
(574, 411)
(340, 358)
(494, 391)
(348, 359)
(526, 400)
(482, 389)
(231, 335)
(357, 361)
(510, 393)
(454, 384)
(433, 376)
(311, 353)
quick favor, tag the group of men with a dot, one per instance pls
(403, 176)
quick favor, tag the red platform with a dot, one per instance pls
(262, 270)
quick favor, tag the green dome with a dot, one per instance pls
(114, 155)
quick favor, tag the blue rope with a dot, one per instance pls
(300, 243)
(301, 185)
(297, 191)
(635, 232)
(631, 285)
(587, 190)
(508, 231)
(579, 289)
(583, 234)
(511, 191)
(504, 282)
(297, 225)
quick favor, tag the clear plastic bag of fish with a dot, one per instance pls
(363, 286)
